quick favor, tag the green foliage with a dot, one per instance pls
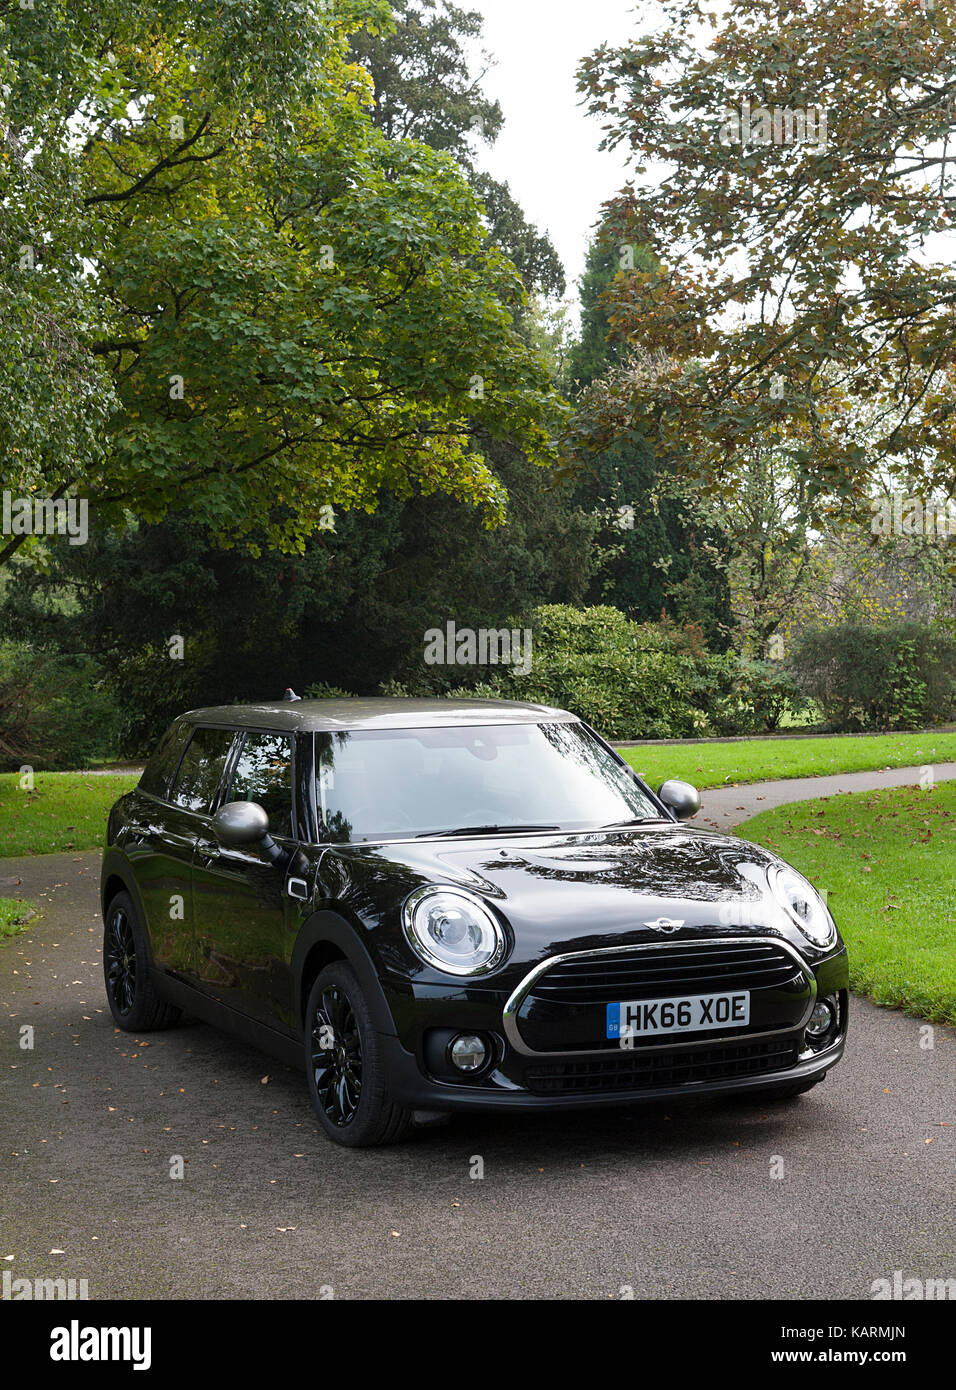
(56, 711)
(760, 694)
(423, 87)
(424, 90)
(654, 553)
(630, 680)
(248, 301)
(895, 676)
(13, 915)
(349, 612)
(321, 690)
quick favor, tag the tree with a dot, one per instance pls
(658, 553)
(422, 82)
(806, 167)
(425, 90)
(351, 609)
(769, 551)
(261, 306)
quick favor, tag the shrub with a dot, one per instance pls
(896, 676)
(56, 711)
(323, 691)
(639, 680)
(759, 694)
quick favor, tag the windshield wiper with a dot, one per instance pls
(482, 830)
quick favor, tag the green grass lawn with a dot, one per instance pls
(766, 759)
(888, 862)
(65, 811)
(12, 910)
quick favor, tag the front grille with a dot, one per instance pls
(666, 971)
(630, 1072)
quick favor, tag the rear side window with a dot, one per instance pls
(264, 774)
(158, 772)
(201, 769)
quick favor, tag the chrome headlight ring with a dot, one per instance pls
(453, 930)
(803, 906)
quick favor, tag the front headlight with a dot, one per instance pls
(803, 905)
(453, 931)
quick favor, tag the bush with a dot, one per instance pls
(896, 676)
(323, 691)
(154, 691)
(638, 680)
(759, 694)
(56, 711)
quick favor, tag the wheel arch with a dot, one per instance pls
(325, 937)
(117, 876)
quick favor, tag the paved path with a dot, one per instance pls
(675, 1202)
(725, 807)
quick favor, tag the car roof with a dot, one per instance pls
(379, 713)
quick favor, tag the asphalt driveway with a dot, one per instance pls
(672, 1202)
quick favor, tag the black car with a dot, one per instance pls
(445, 905)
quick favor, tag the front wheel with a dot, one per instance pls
(344, 1065)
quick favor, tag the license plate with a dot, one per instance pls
(695, 1013)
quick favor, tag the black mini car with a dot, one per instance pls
(441, 905)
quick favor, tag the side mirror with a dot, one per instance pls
(240, 823)
(247, 823)
(681, 798)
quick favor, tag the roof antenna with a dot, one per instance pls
(290, 695)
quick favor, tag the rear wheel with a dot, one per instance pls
(344, 1065)
(134, 1003)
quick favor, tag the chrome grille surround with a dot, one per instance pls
(509, 1016)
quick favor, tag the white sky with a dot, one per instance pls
(548, 150)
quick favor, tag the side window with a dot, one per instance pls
(264, 774)
(200, 771)
(164, 761)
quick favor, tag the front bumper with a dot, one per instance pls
(547, 1053)
(410, 1087)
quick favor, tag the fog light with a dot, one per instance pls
(822, 1019)
(468, 1052)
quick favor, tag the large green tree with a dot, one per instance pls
(425, 89)
(249, 300)
(351, 609)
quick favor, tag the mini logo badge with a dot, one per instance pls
(666, 924)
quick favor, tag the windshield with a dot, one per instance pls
(400, 783)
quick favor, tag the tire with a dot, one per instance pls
(344, 1065)
(130, 990)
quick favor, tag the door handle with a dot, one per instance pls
(207, 851)
(142, 834)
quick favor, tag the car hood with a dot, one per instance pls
(579, 891)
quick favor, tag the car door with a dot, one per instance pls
(162, 836)
(242, 913)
